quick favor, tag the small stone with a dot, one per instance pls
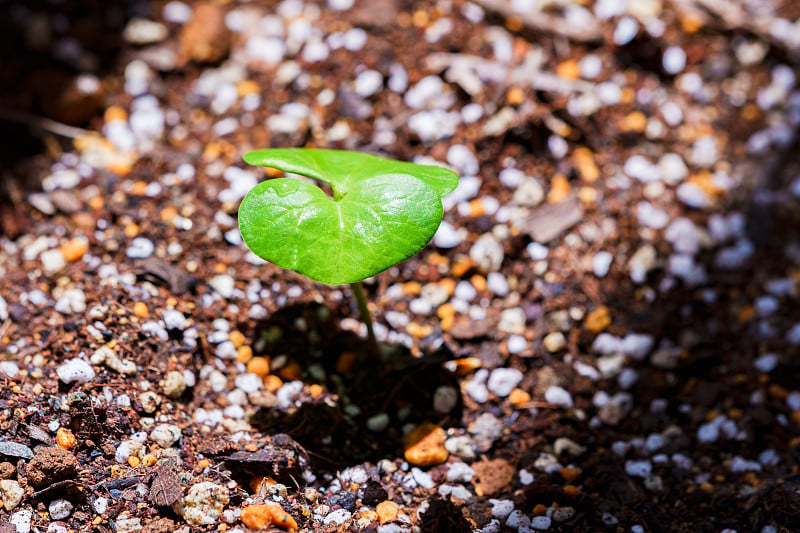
(52, 260)
(559, 396)
(486, 429)
(640, 469)
(59, 509)
(109, 358)
(338, 517)
(487, 253)
(75, 370)
(224, 285)
(674, 60)
(140, 248)
(140, 31)
(424, 445)
(597, 320)
(165, 435)
(445, 398)
(529, 193)
(203, 503)
(540, 522)
(260, 516)
(503, 380)
(15, 449)
(616, 409)
(174, 384)
(21, 520)
(128, 524)
(554, 341)
(11, 493)
(601, 263)
(568, 446)
(512, 321)
(563, 514)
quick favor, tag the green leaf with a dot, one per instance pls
(385, 211)
(341, 168)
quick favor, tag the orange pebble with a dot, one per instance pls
(244, 354)
(540, 509)
(115, 113)
(272, 383)
(258, 366)
(425, 445)
(134, 461)
(131, 230)
(75, 249)
(291, 372)
(519, 397)
(96, 203)
(140, 309)
(387, 511)
(570, 474)
(65, 438)
(262, 515)
(571, 491)
(315, 390)
(569, 69)
(559, 189)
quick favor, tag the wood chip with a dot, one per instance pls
(547, 222)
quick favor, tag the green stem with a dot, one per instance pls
(358, 292)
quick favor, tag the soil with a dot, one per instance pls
(603, 336)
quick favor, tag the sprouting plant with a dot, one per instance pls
(380, 212)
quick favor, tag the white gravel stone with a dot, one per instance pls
(9, 368)
(203, 503)
(672, 168)
(463, 160)
(75, 370)
(165, 435)
(674, 60)
(516, 344)
(176, 12)
(638, 468)
(140, 248)
(518, 520)
(21, 520)
(487, 253)
(541, 522)
(554, 341)
(559, 396)
(503, 380)
(248, 382)
(512, 320)
(651, 216)
(338, 517)
(11, 493)
(476, 387)
(59, 509)
(368, 83)
(72, 301)
(501, 508)
(423, 92)
(625, 30)
(52, 260)
(683, 235)
(601, 263)
(590, 66)
(529, 192)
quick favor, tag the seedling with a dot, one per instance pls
(380, 212)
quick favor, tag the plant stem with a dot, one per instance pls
(358, 292)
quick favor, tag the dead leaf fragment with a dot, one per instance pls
(165, 488)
